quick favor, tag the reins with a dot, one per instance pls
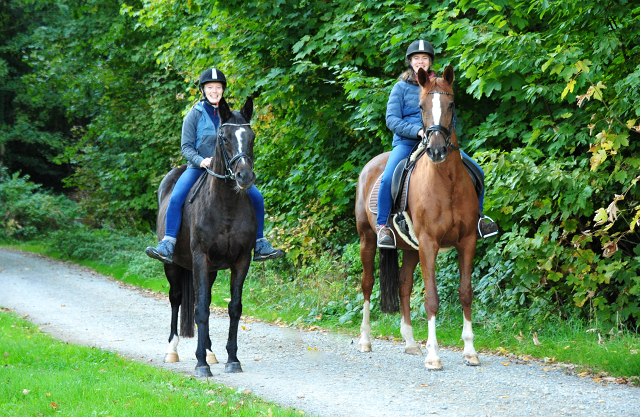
(228, 163)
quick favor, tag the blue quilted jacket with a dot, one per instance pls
(403, 112)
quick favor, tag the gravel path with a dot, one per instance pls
(315, 371)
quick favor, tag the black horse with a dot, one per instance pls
(218, 231)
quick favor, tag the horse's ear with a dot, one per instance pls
(247, 110)
(423, 77)
(448, 75)
(224, 109)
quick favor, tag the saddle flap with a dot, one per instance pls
(476, 175)
(396, 180)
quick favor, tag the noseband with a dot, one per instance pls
(439, 128)
(229, 162)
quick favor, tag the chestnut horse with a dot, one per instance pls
(218, 231)
(443, 206)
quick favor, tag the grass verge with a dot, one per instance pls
(42, 376)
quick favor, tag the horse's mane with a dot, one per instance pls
(434, 83)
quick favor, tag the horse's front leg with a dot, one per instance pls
(368, 247)
(203, 301)
(238, 275)
(410, 259)
(465, 262)
(211, 358)
(428, 254)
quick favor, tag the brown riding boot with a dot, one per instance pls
(386, 237)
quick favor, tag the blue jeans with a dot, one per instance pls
(398, 153)
(179, 195)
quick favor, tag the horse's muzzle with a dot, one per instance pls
(245, 178)
(437, 154)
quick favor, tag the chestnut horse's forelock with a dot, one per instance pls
(434, 83)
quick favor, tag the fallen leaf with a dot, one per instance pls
(582, 374)
(424, 385)
(535, 339)
(505, 363)
(54, 405)
(600, 339)
(48, 394)
(26, 391)
(634, 351)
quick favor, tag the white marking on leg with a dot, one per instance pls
(365, 327)
(173, 345)
(437, 110)
(432, 342)
(406, 330)
(467, 338)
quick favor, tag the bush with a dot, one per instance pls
(26, 211)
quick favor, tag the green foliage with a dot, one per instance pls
(26, 212)
(547, 92)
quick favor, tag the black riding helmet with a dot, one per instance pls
(420, 47)
(211, 75)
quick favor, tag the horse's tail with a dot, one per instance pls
(389, 281)
(187, 312)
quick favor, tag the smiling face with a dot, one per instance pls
(418, 61)
(213, 91)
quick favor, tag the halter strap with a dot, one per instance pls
(441, 129)
(228, 162)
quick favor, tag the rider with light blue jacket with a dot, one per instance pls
(198, 145)
(405, 121)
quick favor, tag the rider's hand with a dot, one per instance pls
(421, 133)
(205, 163)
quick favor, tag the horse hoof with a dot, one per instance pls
(413, 350)
(364, 347)
(211, 359)
(233, 368)
(171, 358)
(471, 360)
(433, 365)
(203, 371)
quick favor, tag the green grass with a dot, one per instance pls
(325, 297)
(42, 376)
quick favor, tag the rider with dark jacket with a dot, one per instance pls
(405, 121)
(198, 144)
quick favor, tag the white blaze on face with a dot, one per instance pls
(436, 109)
(239, 133)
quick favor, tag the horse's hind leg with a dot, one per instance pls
(465, 262)
(368, 247)
(211, 358)
(409, 261)
(174, 276)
